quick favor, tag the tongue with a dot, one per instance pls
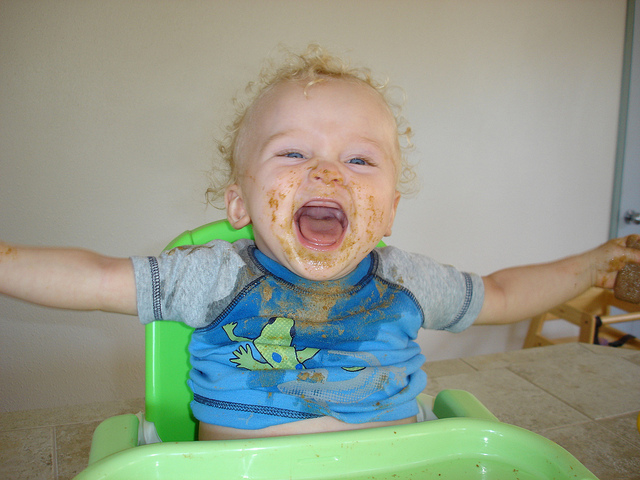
(321, 225)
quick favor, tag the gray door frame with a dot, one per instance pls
(626, 188)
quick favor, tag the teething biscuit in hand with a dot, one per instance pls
(627, 286)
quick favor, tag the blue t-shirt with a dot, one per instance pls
(271, 347)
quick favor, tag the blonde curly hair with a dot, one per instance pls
(314, 65)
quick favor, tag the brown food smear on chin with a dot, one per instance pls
(351, 246)
(322, 260)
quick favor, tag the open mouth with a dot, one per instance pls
(321, 224)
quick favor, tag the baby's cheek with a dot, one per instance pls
(275, 199)
(373, 220)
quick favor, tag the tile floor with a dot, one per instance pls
(52, 444)
(585, 398)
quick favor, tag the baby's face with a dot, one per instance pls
(317, 176)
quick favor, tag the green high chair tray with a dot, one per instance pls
(465, 441)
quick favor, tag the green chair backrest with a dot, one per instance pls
(168, 396)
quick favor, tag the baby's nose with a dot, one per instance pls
(328, 173)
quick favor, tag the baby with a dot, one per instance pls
(312, 327)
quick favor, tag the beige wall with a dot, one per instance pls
(108, 111)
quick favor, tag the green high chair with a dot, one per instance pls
(465, 440)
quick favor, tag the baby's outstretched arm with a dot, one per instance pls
(68, 278)
(519, 293)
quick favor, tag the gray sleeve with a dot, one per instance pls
(187, 284)
(450, 299)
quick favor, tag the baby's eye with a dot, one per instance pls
(358, 161)
(293, 155)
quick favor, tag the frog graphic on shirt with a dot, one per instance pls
(274, 348)
(274, 345)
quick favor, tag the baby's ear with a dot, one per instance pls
(236, 211)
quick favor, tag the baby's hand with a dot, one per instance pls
(610, 258)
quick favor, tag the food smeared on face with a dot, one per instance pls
(318, 170)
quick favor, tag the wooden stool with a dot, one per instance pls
(591, 312)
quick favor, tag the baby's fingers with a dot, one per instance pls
(612, 257)
(633, 241)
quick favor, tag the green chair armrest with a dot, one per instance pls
(114, 435)
(460, 403)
